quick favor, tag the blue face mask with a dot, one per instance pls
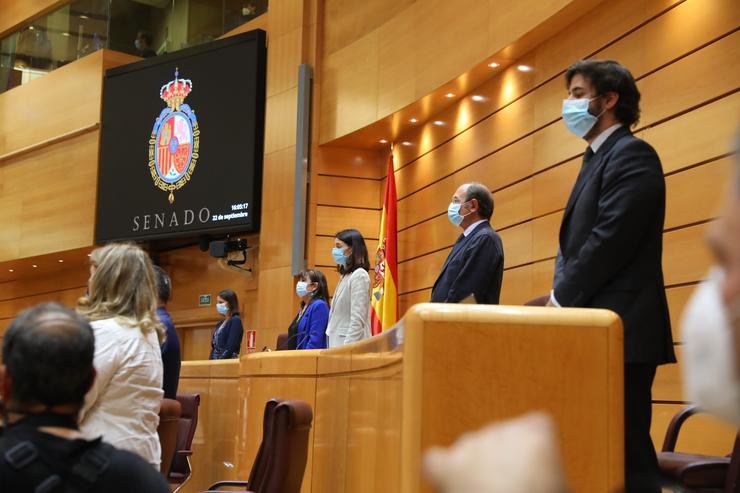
(339, 256)
(301, 288)
(576, 116)
(453, 213)
(222, 308)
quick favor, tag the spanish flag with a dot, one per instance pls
(384, 298)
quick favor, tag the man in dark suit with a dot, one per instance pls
(611, 242)
(475, 266)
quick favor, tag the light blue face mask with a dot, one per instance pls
(222, 308)
(301, 288)
(339, 256)
(453, 213)
(576, 116)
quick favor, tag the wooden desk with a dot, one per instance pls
(446, 369)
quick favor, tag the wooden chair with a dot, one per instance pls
(181, 470)
(283, 453)
(697, 472)
(169, 415)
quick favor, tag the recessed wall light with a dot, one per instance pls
(383, 141)
(439, 123)
(31, 28)
(477, 98)
(524, 68)
(494, 65)
(406, 143)
(11, 270)
(413, 120)
(450, 95)
(65, 34)
(83, 16)
(34, 266)
(60, 261)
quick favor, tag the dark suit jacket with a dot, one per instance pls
(226, 342)
(611, 245)
(474, 266)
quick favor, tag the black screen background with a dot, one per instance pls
(227, 96)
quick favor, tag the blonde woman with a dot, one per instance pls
(123, 404)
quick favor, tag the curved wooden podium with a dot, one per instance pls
(442, 371)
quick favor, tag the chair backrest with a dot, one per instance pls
(289, 451)
(186, 426)
(539, 301)
(282, 342)
(259, 467)
(169, 415)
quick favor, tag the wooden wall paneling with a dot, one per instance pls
(426, 237)
(276, 305)
(686, 258)
(693, 137)
(496, 171)
(333, 190)
(42, 187)
(330, 220)
(517, 285)
(513, 205)
(552, 188)
(546, 235)
(542, 276)
(696, 194)
(518, 243)
(667, 385)
(678, 297)
(701, 434)
(68, 297)
(407, 300)
(343, 161)
(421, 273)
(671, 89)
(331, 433)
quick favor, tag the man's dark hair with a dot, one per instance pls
(146, 36)
(480, 192)
(229, 296)
(48, 352)
(358, 258)
(610, 76)
(164, 284)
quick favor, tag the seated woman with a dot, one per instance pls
(227, 336)
(123, 403)
(314, 314)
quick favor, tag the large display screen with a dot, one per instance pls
(182, 143)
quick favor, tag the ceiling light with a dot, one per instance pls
(439, 123)
(406, 143)
(477, 98)
(524, 68)
(494, 65)
(11, 270)
(65, 34)
(34, 266)
(383, 141)
(413, 120)
(60, 261)
(83, 16)
(31, 28)
(450, 95)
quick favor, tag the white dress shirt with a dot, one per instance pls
(123, 404)
(470, 228)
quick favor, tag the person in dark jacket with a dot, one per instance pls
(171, 357)
(611, 242)
(475, 265)
(227, 335)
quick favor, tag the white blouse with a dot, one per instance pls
(123, 404)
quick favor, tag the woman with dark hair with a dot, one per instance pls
(227, 336)
(308, 330)
(349, 317)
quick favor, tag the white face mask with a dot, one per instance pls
(709, 367)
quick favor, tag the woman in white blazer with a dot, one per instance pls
(349, 317)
